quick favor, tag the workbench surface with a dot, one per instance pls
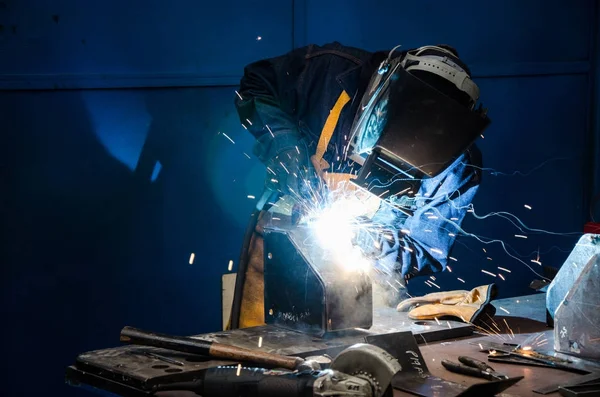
(526, 317)
(516, 320)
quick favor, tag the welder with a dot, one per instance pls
(304, 108)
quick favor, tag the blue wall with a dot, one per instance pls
(117, 165)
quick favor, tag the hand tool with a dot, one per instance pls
(513, 354)
(362, 370)
(214, 349)
(416, 379)
(473, 367)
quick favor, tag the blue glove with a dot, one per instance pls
(291, 173)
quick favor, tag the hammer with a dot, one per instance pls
(214, 349)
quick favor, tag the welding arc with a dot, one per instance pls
(208, 348)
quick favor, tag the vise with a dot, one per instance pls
(573, 299)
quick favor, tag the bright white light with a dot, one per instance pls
(335, 227)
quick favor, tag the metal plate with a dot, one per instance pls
(128, 366)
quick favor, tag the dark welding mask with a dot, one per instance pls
(416, 117)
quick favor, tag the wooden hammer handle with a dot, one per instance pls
(207, 348)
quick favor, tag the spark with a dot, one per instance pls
(489, 259)
(504, 269)
(230, 265)
(453, 258)
(449, 326)
(284, 167)
(520, 236)
(260, 341)
(501, 276)
(481, 135)
(484, 250)
(536, 261)
(192, 257)
(270, 132)
(246, 155)
(449, 268)
(432, 277)
(251, 197)
(437, 251)
(437, 321)
(238, 94)
(297, 150)
(518, 301)
(503, 309)
(258, 38)
(543, 341)
(486, 272)
(276, 219)
(527, 206)
(526, 348)
(432, 217)
(227, 136)
(249, 122)
(239, 370)
(480, 346)
(507, 327)
(391, 285)
(428, 230)
(428, 283)
(244, 126)
(453, 219)
(451, 234)
(408, 249)
(438, 287)
(460, 279)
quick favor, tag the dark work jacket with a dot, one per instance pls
(285, 101)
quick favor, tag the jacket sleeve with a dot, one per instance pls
(422, 242)
(266, 103)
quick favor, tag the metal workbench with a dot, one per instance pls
(127, 370)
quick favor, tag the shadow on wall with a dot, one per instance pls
(95, 237)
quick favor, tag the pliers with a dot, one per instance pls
(473, 367)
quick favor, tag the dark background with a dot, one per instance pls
(115, 166)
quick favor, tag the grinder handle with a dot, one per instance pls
(207, 348)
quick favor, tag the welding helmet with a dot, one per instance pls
(418, 114)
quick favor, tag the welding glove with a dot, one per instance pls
(468, 306)
(290, 173)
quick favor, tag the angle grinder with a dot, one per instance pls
(361, 370)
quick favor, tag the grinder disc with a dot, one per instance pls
(368, 362)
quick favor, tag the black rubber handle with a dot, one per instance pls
(251, 382)
(464, 370)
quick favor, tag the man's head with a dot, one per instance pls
(440, 67)
(418, 112)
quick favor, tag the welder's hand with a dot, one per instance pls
(290, 173)
(371, 238)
